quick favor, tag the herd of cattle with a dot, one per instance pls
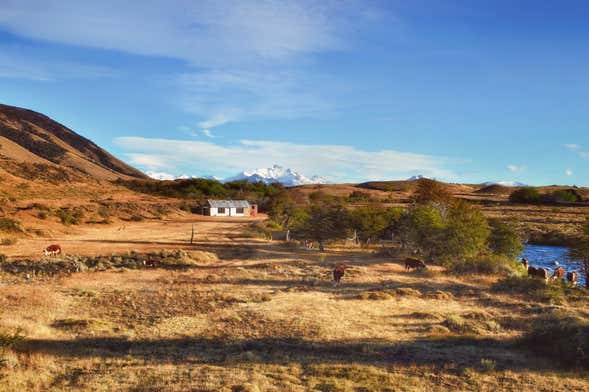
(544, 274)
(410, 264)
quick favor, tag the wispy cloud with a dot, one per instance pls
(336, 162)
(240, 53)
(578, 149)
(16, 65)
(515, 168)
(207, 133)
(569, 172)
(204, 33)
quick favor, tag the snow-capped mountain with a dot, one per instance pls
(417, 177)
(505, 183)
(276, 173)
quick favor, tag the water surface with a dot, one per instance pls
(545, 257)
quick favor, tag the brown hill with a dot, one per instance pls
(33, 146)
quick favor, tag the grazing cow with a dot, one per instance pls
(338, 273)
(540, 273)
(52, 250)
(573, 278)
(308, 244)
(411, 263)
(525, 263)
(558, 273)
(150, 263)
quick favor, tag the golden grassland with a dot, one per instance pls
(250, 315)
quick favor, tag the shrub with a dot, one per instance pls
(565, 196)
(10, 225)
(359, 196)
(527, 195)
(8, 241)
(489, 264)
(504, 240)
(70, 216)
(3, 258)
(561, 337)
(42, 215)
(429, 191)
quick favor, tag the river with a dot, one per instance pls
(545, 256)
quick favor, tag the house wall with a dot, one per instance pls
(214, 211)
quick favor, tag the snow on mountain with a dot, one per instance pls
(505, 183)
(417, 177)
(276, 173)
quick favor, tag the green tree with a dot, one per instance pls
(431, 191)
(369, 222)
(504, 240)
(424, 225)
(527, 195)
(466, 231)
(323, 222)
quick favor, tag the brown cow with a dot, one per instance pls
(149, 263)
(525, 263)
(52, 250)
(573, 278)
(541, 273)
(558, 273)
(338, 273)
(411, 263)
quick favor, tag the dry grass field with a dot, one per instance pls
(250, 315)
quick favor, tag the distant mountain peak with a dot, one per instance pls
(277, 173)
(505, 183)
(416, 177)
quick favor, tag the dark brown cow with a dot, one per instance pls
(558, 273)
(541, 273)
(338, 273)
(52, 250)
(411, 263)
(150, 263)
(573, 278)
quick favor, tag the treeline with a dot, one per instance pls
(437, 226)
(531, 195)
(200, 189)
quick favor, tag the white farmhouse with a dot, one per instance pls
(229, 208)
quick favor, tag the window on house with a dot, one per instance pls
(221, 210)
(239, 210)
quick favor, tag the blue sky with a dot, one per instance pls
(463, 91)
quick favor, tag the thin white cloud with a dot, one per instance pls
(569, 172)
(336, 162)
(578, 149)
(15, 65)
(204, 33)
(150, 161)
(207, 133)
(241, 52)
(221, 97)
(515, 168)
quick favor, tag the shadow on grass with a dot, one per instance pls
(435, 351)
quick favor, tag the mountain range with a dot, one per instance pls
(276, 173)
